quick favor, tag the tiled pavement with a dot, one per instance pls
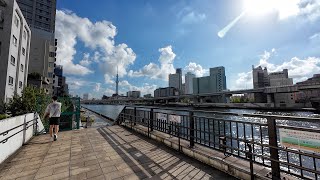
(111, 152)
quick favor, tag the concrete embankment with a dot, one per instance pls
(102, 115)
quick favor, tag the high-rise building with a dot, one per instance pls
(85, 96)
(175, 80)
(60, 85)
(133, 94)
(189, 83)
(216, 82)
(40, 15)
(15, 37)
(280, 78)
(260, 77)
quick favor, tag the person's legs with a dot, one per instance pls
(51, 130)
(56, 129)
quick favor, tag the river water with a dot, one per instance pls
(113, 111)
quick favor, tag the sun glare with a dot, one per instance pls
(285, 8)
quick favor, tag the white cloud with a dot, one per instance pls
(193, 17)
(189, 16)
(299, 69)
(98, 36)
(85, 60)
(144, 89)
(196, 69)
(156, 71)
(109, 91)
(309, 9)
(97, 87)
(108, 79)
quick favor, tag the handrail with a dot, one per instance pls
(277, 117)
(234, 137)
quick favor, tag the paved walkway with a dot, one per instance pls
(105, 153)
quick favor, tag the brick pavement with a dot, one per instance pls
(111, 152)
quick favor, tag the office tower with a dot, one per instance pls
(85, 96)
(15, 37)
(133, 94)
(60, 85)
(216, 82)
(189, 83)
(260, 77)
(40, 14)
(175, 80)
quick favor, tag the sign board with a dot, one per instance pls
(174, 118)
(302, 140)
(161, 116)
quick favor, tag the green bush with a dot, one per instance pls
(25, 103)
(3, 116)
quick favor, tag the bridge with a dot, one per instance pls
(198, 97)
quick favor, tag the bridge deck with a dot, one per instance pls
(103, 153)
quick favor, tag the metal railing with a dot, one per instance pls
(253, 137)
(25, 126)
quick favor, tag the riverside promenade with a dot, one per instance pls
(110, 152)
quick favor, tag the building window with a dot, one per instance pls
(10, 80)
(50, 74)
(51, 64)
(16, 21)
(20, 84)
(21, 67)
(23, 51)
(24, 35)
(14, 40)
(13, 60)
(52, 54)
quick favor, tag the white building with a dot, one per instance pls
(85, 96)
(15, 37)
(134, 94)
(189, 83)
(175, 80)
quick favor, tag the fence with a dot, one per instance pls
(70, 112)
(253, 137)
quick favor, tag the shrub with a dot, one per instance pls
(25, 103)
(3, 116)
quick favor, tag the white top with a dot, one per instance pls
(54, 109)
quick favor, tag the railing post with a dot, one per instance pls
(274, 154)
(135, 115)
(151, 119)
(24, 129)
(191, 124)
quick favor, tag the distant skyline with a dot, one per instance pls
(148, 40)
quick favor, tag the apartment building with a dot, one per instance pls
(15, 38)
(41, 14)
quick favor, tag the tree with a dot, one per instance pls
(27, 102)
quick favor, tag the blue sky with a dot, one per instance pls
(148, 39)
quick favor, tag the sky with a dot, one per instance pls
(148, 39)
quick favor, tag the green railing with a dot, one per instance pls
(70, 112)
